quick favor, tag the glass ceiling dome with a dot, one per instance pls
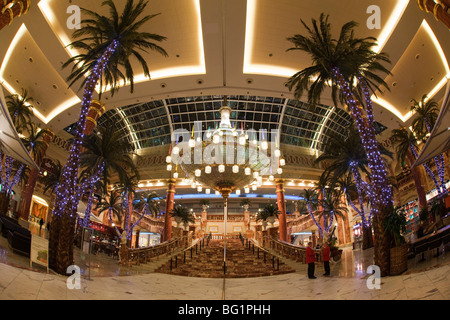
(151, 124)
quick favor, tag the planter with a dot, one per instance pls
(399, 260)
(264, 225)
(336, 255)
(271, 220)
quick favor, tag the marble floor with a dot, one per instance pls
(108, 281)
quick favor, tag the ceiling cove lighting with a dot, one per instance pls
(56, 111)
(200, 68)
(273, 70)
(436, 89)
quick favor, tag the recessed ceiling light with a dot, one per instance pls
(30, 59)
(417, 56)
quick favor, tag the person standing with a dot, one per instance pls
(310, 260)
(41, 223)
(326, 258)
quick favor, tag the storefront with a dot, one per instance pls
(301, 238)
(357, 235)
(147, 239)
(411, 209)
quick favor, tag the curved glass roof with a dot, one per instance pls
(150, 124)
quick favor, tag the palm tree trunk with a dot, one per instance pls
(65, 206)
(380, 192)
(418, 182)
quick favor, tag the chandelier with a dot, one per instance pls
(227, 159)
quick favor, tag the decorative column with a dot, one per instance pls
(28, 190)
(225, 191)
(282, 210)
(439, 8)
(96, 110)
(169, 208)
(10, 9)
(136, 240)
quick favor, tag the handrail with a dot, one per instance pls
(251, 246)
(289, 250)
(137, 256)
(201, 242)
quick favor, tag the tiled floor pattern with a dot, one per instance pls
(423, 280)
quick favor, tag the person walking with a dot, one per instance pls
(326, 258)
(310, 260)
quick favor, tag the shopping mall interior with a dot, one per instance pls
(224, 150)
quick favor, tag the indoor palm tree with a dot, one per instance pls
(406, 148)
(268, 214)
(20, 110)
(331, 207)
(309, 205)
(182, 215)
(111, 203)
(107, 45)
(147, 205)
(352, 69)
(106, 155)
(349, 188)
(426, 114)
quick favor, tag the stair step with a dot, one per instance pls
(240, 262)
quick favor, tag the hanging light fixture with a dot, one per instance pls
(169, 167)
(235, 168)
(208, 169)
(277, 153)
(198, 173)
(248, 171)
(221, 168)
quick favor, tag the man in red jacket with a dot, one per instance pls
(310, 260)
(326, 258)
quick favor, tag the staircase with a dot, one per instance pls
(208, 262)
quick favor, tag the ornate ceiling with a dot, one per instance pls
(235, 48)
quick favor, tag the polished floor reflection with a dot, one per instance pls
(105, 279)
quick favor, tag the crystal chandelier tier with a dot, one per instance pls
(226, 159)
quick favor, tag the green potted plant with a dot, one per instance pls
(335, 252)
(182, 215)
(267, 215)
(395, 225)
(245, 203)
(204, 203)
